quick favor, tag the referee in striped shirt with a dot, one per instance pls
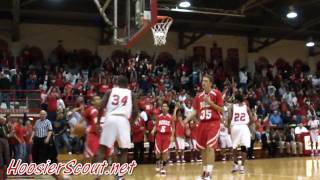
(41, 136)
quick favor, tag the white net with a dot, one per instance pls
(160, 31)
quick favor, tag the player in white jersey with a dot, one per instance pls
(314, 133)
(120, 106)
(239, 118)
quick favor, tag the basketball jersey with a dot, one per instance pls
(240, 115)
(314, 124)
(164, 124)
(204, 110)
(120, 102)
(90, 114)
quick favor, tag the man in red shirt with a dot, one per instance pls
(164, 136)
(90, 115)
(179, 135)
(151, 138)
(138, 129)
(52, 99)
(20, 147)
(207, 106)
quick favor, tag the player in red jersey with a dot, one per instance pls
(207, 106)
(90, 115)
(164, 136)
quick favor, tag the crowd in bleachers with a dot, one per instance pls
(283, 96)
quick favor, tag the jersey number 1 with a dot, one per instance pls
(116, 100)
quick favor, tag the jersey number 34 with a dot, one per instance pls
(116, 100)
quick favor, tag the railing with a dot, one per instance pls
(18, 102)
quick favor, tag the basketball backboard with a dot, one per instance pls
(140, 16)
(131, 18)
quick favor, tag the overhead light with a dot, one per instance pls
(310, 42)
(292, 13)
(184, 3)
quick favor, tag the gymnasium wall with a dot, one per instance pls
(46, 37)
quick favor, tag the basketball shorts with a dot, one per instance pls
(240, 136)
(207, 134)
(116, 129)
(180, 143)
(314, 134)
(91, 145)
(225, 141)
(162, 143)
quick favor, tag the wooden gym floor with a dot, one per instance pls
(297, 168)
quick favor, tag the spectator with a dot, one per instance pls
(243, 79)
(29, 129)
(271, 89)
(275, 119)
(20, 147)
(184, 80)
(299, 130)
(138, 129)
(60, 132)
(52, 100)
(74, 118)
(4, 87)
(182, 96)
(292, 146)
(179, 134)
(253, 132)
(151, 138)
(266, 141)
(143, 115)
(4, 145)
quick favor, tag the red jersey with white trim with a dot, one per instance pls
(90, 114)
(164, 124)
(204, 111)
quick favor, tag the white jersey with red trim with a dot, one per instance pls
(120, 102)
(240, 115)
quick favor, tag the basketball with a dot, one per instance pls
(79, 130)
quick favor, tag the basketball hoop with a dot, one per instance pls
(160, 30)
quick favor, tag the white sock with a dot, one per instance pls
(182, 157)
(210, 168)
(204, 168)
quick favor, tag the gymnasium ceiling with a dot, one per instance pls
(263, 18)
